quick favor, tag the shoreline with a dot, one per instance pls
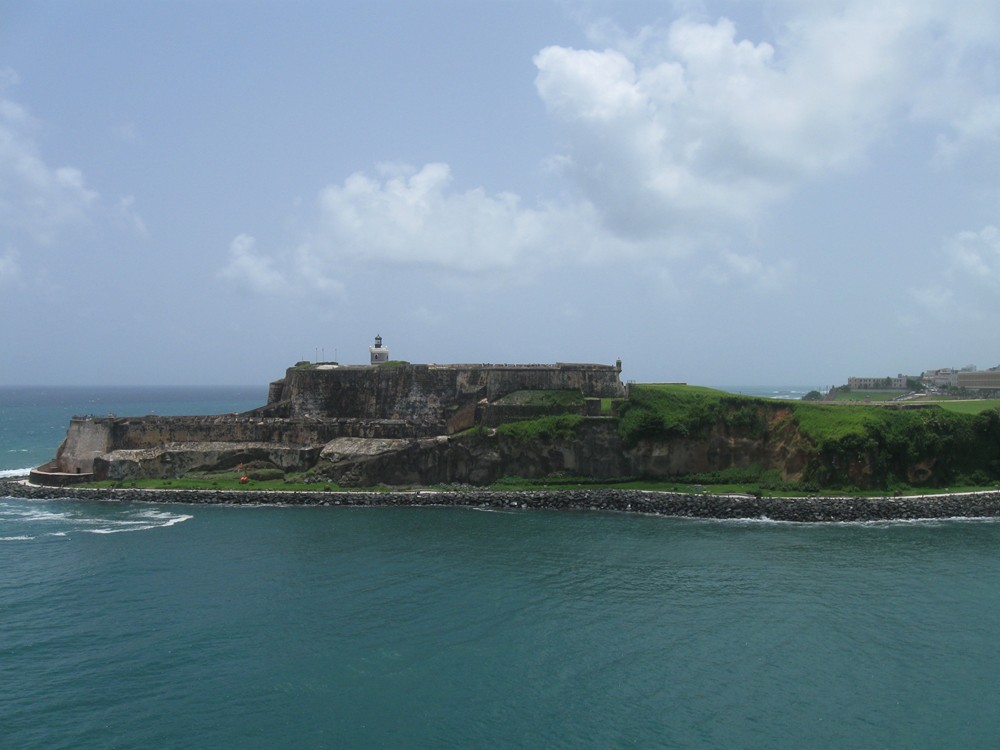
(648, 502)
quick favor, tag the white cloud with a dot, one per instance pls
(979, 124)
(736, 268)
(36, 199)
(42, 205)
(975, 256)
(127, 216)
(935, 300)
(415, 218)
(687, 126)
(249, 268)
(677, 137)
(970, 278)
(408, 217)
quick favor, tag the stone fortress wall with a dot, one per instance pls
(444, 398)
(313, 405)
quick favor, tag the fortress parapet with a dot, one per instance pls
(441, 397)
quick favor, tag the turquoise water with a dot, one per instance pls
(142, 625)
(33, 420)
(163, 626)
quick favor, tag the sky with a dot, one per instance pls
(735, 192)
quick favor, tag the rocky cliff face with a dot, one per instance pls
(596, 452)
(778, 446)
(357, 452)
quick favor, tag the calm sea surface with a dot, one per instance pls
(142, 625)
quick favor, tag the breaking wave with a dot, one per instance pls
(22, 520)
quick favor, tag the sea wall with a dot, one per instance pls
(91, 439)
(689, 505)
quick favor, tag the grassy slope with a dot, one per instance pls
(960, 447)
(970, 407)
(542, 398)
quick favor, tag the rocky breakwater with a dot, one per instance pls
(689, 505)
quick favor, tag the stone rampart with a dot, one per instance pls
(316, 404)
(88, 439)
(85, 440)
(435, 395)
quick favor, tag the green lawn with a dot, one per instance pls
(974, 406)
(542, 398)
(868, 396)
(229, 480)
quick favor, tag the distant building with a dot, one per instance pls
(942, 378)
(983, 380)
(897, 383)
(378, 352)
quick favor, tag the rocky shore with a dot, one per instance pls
(700, 505)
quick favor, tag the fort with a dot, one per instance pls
(327, 413)
(395, 424)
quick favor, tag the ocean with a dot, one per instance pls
(33, 420)
(135, 625)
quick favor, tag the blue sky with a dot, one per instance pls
(744, 192)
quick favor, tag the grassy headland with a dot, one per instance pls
(851, 446)
(840, 448)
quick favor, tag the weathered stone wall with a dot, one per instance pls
(428, 394)
(480, 458)
(89, 438)
(600, 381)
(178, 459)
(312, 406)
(85, 440)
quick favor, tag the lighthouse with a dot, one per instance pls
(378, 352)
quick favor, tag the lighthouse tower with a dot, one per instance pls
(378, 352)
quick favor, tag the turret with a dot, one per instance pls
(378, 352)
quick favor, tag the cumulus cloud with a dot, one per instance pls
(35, 198)
(247, 267)
(970, 280)
(678, 138)
(41, 204)
(690, 125)
(975, 256)
(415, 218)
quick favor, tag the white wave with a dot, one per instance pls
(15, 538)
(33, 514)
(166, 519)
(72, 521)
(15, 472)
(493, 510)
